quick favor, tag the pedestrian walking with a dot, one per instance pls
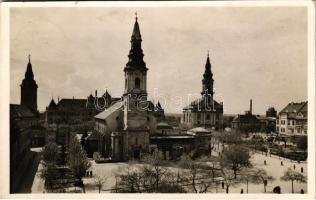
(241, 191)
(281, 163)
(265, 162)
(302, 170)
(302, 191)
(294, 166)
(223, 185)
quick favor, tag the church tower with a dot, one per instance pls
(29, 89)
(135, 70)
(136, 120)
(207, 81)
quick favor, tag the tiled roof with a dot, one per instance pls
(199, 130)
(202, 103)
(20, 111)
(72, 103)
(292, 109)
(163, 125)
(110, 110)
(52, 105)
(247, 118)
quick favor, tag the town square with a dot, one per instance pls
(159, 100)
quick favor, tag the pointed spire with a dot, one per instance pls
(136, 53)
(207, 82)
(208, 63)
(208, 72)
(136, 32)
(29, 72)
(52, 104)
(158, 105)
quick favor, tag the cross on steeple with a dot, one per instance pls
(29, 58)
(136, 16)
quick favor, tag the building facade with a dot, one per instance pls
(292, 120)
(247, 122)
(21, 121)
(74, 111)
(204, 111)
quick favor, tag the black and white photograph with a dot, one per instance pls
(158, 98)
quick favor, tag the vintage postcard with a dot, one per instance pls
(206, 99)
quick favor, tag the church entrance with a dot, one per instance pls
(137, 154)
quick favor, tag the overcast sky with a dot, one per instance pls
(258, 53)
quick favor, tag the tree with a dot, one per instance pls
(196, 174)
(261, 176)
(292, 176)
(302, 143)
(235, 157)
(77, 159)
(100, 181)
(257, 141)
(153, 169)
(129, 181)
(249, 176)
(229, 178)
(50, 153)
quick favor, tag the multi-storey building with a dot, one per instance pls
(292, 120)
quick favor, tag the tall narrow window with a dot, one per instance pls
(137, 83)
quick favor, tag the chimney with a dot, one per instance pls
(250, 110)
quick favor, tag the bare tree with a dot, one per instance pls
(196, 174)
(129, 181)
(100, 181)
(248, 176)
(261, 176)
(228, 177)
(291, 175)
(153, 169)
(235, 158)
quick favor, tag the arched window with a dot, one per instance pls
(137, 83)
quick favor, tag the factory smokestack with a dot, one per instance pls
(250, 110)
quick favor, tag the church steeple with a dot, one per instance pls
(207, 82)
(29, 72)
(136, 53)
(29, 88)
